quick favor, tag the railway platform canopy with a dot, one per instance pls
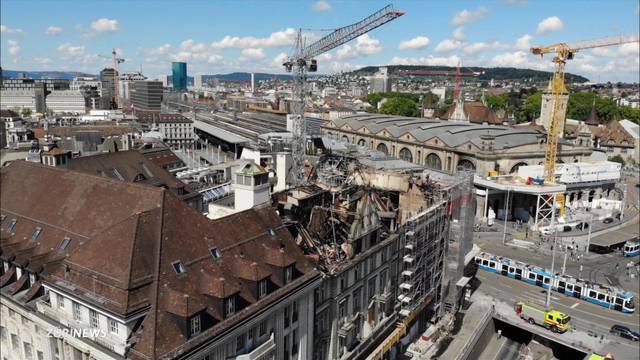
(220, 133)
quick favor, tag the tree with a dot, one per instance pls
(26, 112)
(618, 159)
(496, 101)
(400, 106)
(532, 106)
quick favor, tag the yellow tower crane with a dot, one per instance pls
(564, 52)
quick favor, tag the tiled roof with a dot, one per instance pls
(156, 117)
(478, 113)
(126, 236)
(8, 114)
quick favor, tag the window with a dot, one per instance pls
(262, 329)
(356, 300)
(32, 279)
(215, 253)
(40, 355)
(592, 294)
(63, 245)
(288, 274)
(601, 297)
(286, 317)
(485, 263)
(294, 312)
(93, 318)
(113, 326)
(178, 267)
(12, 224)
(262, 288)
(294, 343)
(342, 308)
(195, 325)
(240, 340)
(14, 341)
(230, 307)
(36, 233)
(383, 255)
(60, 302)
(532, 276)
(343, 282)
(28, 352)
(77, 315)
(383, 279)
(372, 288)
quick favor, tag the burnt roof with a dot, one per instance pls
(125, 236)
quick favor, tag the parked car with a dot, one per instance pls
(625, 332)
(582, 226)
(566, 228)
(607, 220)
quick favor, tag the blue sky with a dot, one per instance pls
(225, 36)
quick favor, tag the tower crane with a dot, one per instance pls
(564, 52)
(116, 61)
(303, 60)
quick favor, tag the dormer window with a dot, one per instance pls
(36, 233)
(262, 288)
(230, 306)
(271, 232)
(215, 253)
(178, 267)
(139, 177)
(288, 274)
(195, 325)
(32, 279)
(63, 245)
(12, 224)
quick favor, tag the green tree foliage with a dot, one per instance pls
(400, 106)
(26, 112)
(531, 108)
(618, 159)
(629, 113)
(497, 101)
(580, 105)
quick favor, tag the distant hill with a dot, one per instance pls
(245, 76)
(68, 75)
(496, 73)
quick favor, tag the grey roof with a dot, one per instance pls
(451, 133)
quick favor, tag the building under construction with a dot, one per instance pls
(380, 230)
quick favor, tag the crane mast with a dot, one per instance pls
(302, 61)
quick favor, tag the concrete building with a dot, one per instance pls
(380, 82)
(125, 83)
(107, 96)
(197, 81)
(176, 129)
(164, 79)
(634, 130)
(90, 87)
(12, 129)
(14, 99)
(172, 284)
(146, 95)
(66, 101)
(179, 76)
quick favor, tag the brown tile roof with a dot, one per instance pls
(104, 130)
(126, 236)
(162, 157)
(592, 119)
(478, 113)
(8, 114)
(613, 134)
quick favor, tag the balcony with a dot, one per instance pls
(265, 351)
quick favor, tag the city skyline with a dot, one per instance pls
(235, 36)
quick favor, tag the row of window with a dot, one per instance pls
(76, 309)
(36, 232)
(367, 266)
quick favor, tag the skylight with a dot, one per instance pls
(178, 267)
(12, 224)
(36, 233)
(65, 242)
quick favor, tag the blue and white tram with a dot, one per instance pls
(631, 248)
(610, 298)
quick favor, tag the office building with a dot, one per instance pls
(107, 97)
(66, 101)
(179, 76)
(146, 95)
(90, 87)
(164, 79)
(380, 82)
(197, 81)
(176, 129)
(125, 83)
(18, 99)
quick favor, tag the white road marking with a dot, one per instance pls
(574, 305)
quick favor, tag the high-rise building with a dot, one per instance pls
(253, 83)
(146, 95)
(380, 81)
(108, 88)
(164, 79)
(197, 81)
(179, 76)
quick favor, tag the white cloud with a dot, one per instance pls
(105, 25)
(617, 51)
(418, 42)
(428, 60)
(552, 23)
(466, 16)
(7, 30)
(192, 46)
(162, 50)
(42, 60)
(252, 54)
(214, 58)
(365, 45)
(448, 45)
(279, 60)
(321, 5)
(524, 42)
(70, 51)
(53, 30)
(14, 47)
(279, 38)
(515, 2)
(458, 33)
(483, 46)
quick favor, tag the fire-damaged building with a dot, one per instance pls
(380, 230)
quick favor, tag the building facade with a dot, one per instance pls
(176, 130)
(107, 95)
(66, 101)
(146, 95)
(179, 76)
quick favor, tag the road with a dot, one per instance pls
(585, 316)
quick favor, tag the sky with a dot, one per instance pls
(256, 36)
